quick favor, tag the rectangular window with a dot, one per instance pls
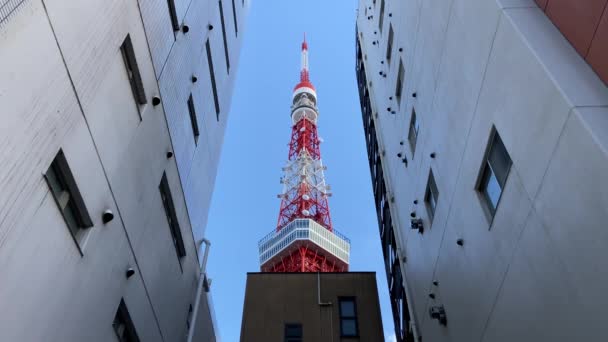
(137, 85)
(236, 26)
(189, 318)
(494, 172)
(431, 196)
(224, 35)
(413, 132)
(65, 192)
(293, 332)
(213, 86)
(193, 119)
(348, 317)
(381, 18)
(176, 233)
(389, 45)
(400, 79)
(173, 15)
(123, 325)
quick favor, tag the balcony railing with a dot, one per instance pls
(304, 229)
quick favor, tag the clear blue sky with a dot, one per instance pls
(245, 207)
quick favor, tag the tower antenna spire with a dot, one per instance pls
(304, 213)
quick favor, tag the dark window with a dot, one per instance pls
(348, 317)
(176, 233)
(389, 44)
(293, 332)
(213, 86)
(63, 187)
(224, 35)
(431, 196)
(189, 318)
(413, 132)
(137, 85)
(494, 172)
(400, 79)
(173, 15)
(381, 18)
(123, 325)
(236, 26)
(193, 119)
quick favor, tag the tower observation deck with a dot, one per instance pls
(304, 239)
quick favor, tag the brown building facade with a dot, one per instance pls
(298, 307)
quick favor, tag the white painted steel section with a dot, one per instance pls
(304, 229)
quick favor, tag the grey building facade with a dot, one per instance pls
(113, 115)
(307, 306)
(487, 130)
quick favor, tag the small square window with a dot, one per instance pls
(65, 192)
(494, 172)
(173, 15)
(213, 85)
(414, 128)
(400, 80)
(293, 332)
(224, 36)
(389, 44)
(381, 18)
(176, 233)
(193, 119)
(431, 196)
(137, 86)
(123, 325)
(236, 26)
(348, 317)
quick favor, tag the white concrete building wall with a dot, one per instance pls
(529, 274)
(64, 85)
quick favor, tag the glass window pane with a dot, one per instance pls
(347, 308)
(349, 327)
(492, 188)
(54, 181)
(293, 330)
(499, 160)
(70, 217)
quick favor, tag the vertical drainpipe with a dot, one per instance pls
(325, 304)
(199, 290)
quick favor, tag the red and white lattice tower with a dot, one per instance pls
(304, 239)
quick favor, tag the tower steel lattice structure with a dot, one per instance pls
(304, 239)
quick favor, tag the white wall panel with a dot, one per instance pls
(529, 273)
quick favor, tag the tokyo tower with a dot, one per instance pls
(304, 239)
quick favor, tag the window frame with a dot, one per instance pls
(389, 44)
(133, 73)
(64, 190)
(486, 171)
(172, 221)
(413, 129)
(343, 317)
(431, 192)
(212, 77)
(381, 16)
(288, 338)
(122, 312)
(236, 26)
(399, 84)
(193, 119)
(223, 24)
(173, 16)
